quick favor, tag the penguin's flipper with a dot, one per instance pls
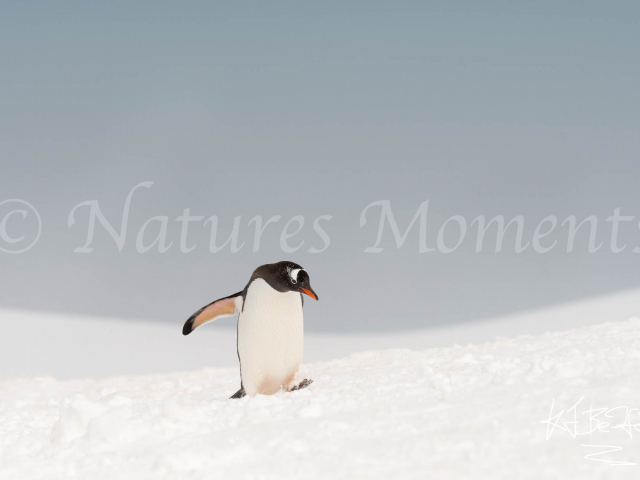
(223, 307)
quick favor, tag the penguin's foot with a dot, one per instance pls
(239, 394)
(303, 384)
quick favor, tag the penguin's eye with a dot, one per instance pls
(293, 274)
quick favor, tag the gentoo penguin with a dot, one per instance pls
(270, 327)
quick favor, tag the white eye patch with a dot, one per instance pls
(294, 274)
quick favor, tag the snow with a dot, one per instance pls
(69, 347)
(523, 404)
(477, 411)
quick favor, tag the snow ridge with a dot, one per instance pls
(480, 411)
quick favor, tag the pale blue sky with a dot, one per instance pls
(318, 109)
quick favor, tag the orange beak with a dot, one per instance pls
(310, 293)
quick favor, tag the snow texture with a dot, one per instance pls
(462, 412)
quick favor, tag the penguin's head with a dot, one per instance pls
(288, 277)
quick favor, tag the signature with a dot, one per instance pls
(580, 421)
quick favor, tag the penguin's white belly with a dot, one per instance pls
(270, 338)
